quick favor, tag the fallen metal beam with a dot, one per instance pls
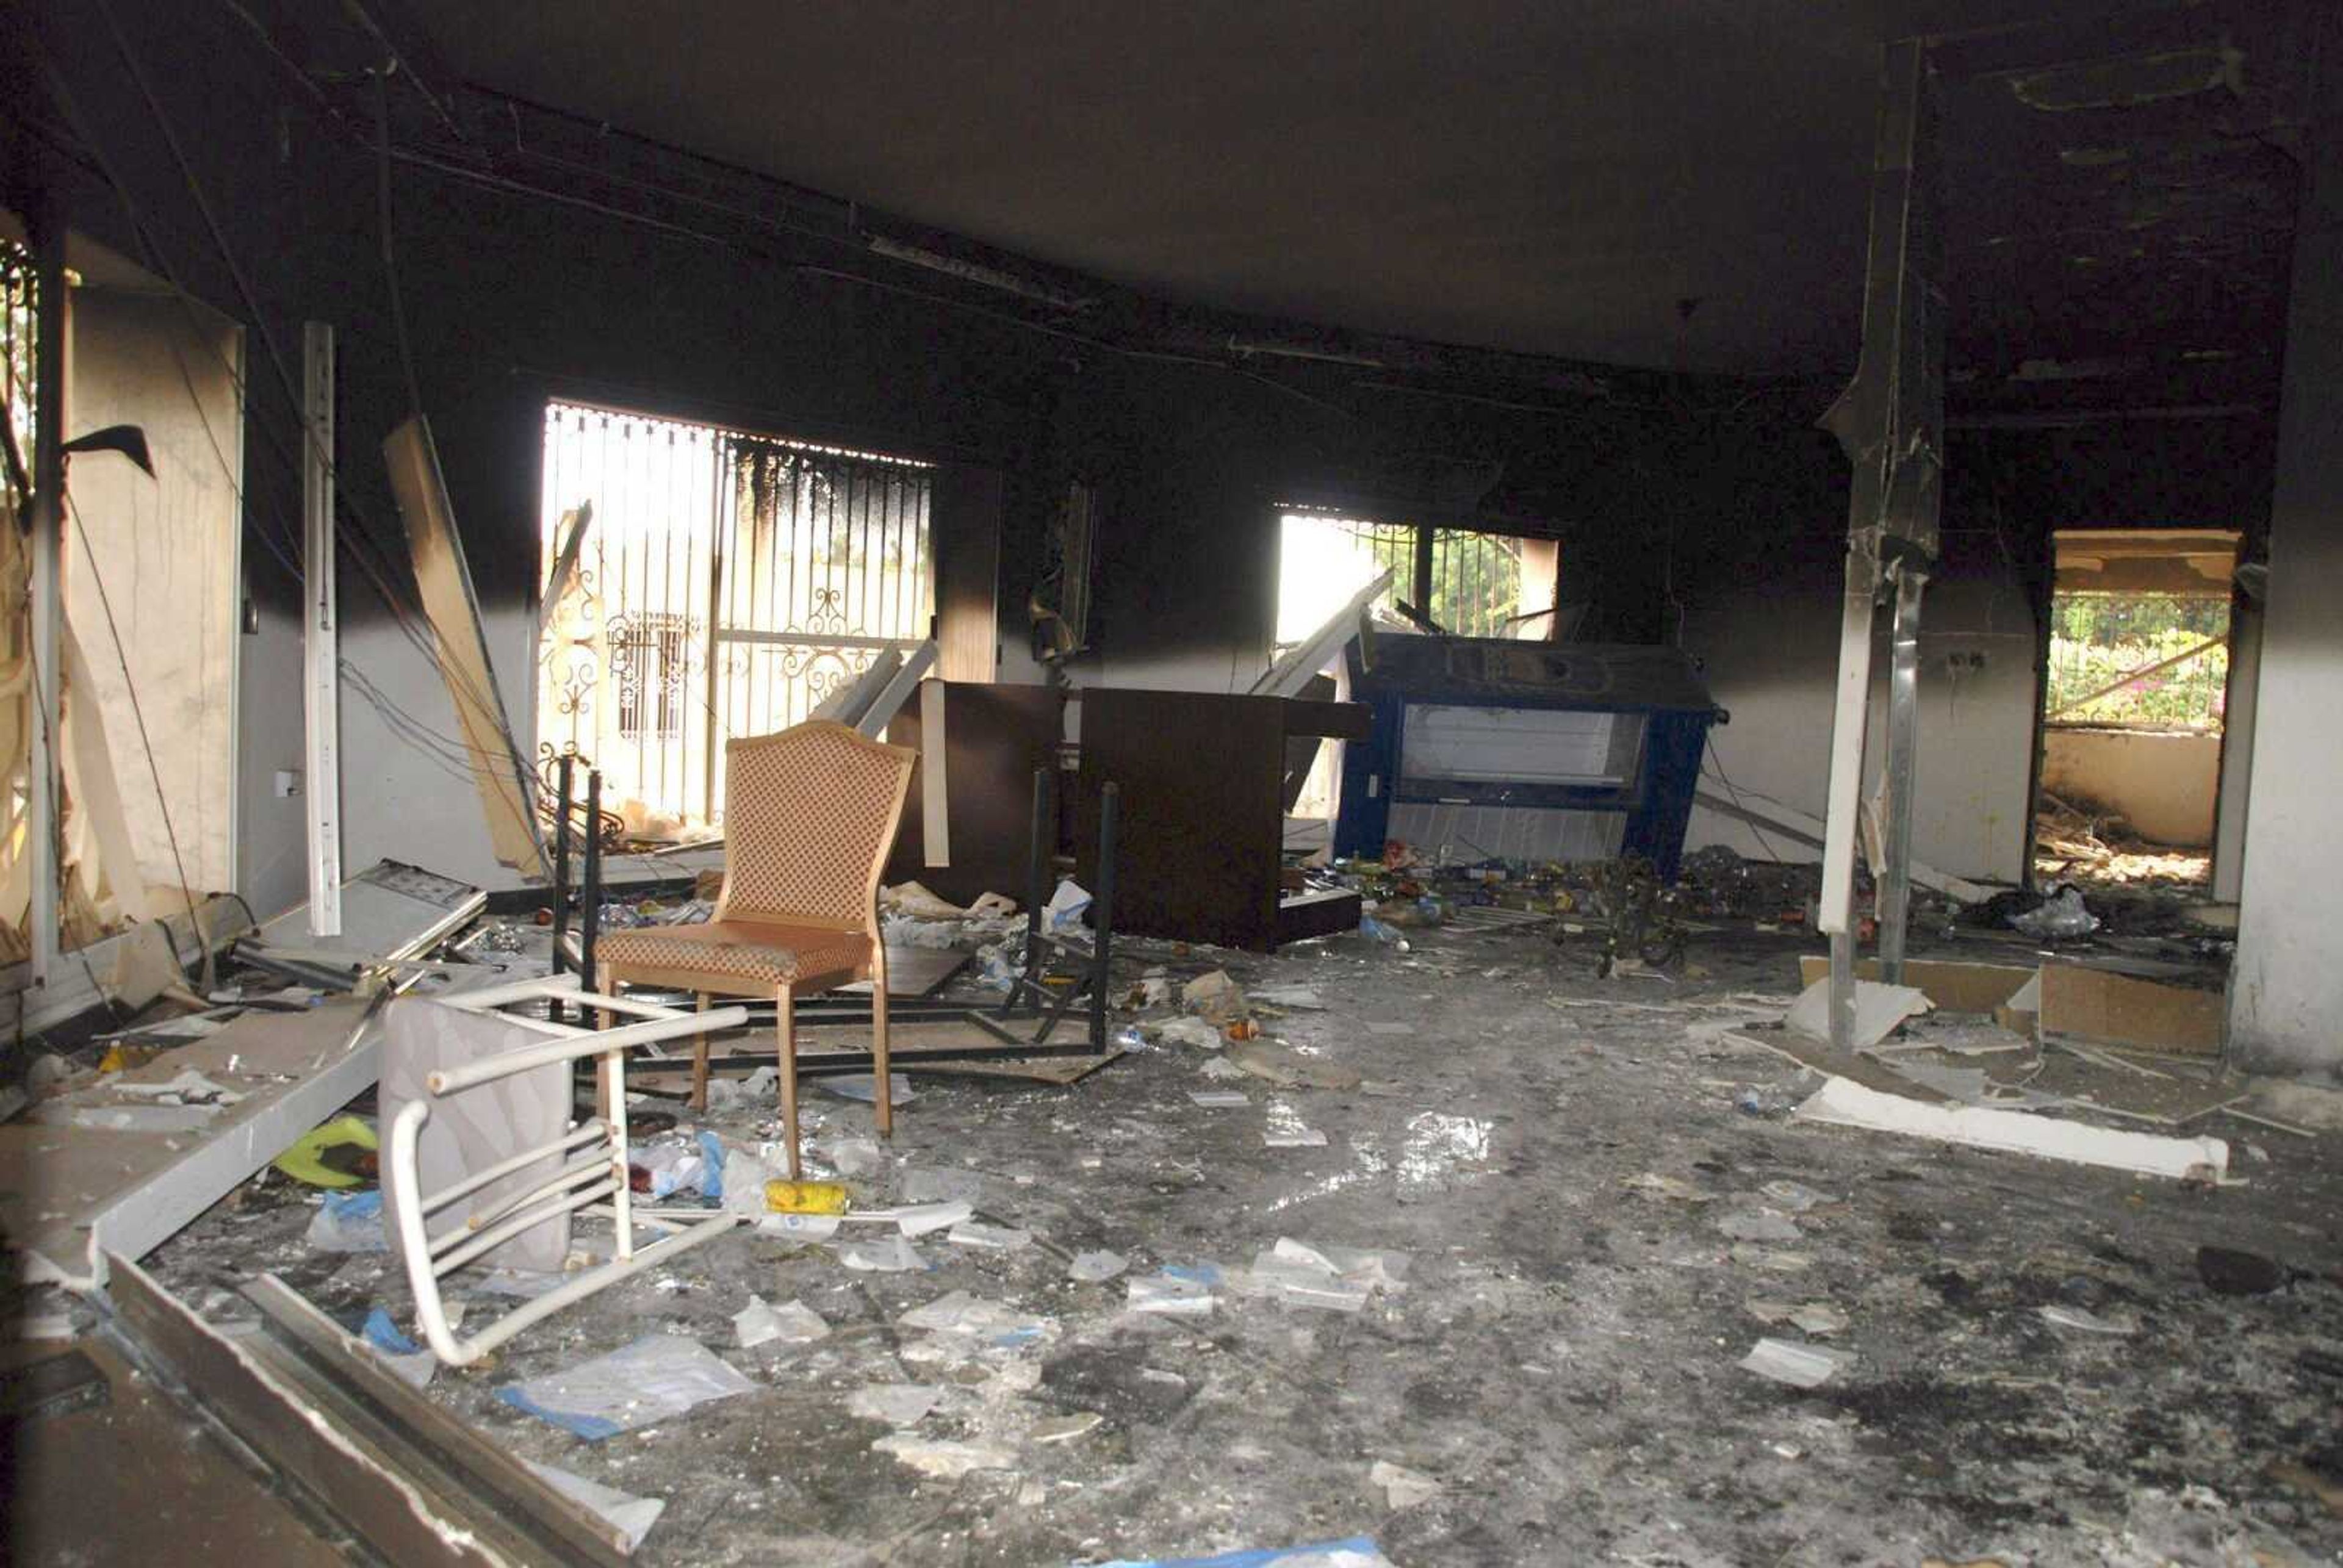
(413, 1484)
(1289, 675)
(1891, 421)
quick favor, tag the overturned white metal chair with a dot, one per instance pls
(583, 1169)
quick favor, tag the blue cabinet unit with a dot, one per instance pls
(1485, 749)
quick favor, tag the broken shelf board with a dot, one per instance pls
(1843, 1102)
(2103, 1008)
(67, 1193)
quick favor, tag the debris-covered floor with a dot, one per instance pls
(1603, 1204)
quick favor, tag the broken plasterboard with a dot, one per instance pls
(1879, 1008)
(1843, 1102)
(2102, 1008)
(1951, 986)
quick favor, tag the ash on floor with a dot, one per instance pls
(1598, 1229)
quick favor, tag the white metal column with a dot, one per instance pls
(52, 318)
(320, 639)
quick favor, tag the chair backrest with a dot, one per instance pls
(809, 815)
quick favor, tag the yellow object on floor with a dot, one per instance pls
(304, 1161)
(806, 1198)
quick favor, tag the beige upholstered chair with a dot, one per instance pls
(809, 815)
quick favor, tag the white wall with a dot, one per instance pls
(1771, 655)
(2161, 784)
(2286, 994)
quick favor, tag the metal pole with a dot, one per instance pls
(589, 916)
(43, 816)
(1902, 752)
(1037, 864)
(1891, 422)
(562, 770)
(1103, 914)
(320, 639)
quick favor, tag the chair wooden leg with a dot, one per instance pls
(600, 1018)
(882, 1099)
(785, 1030)
(699, 1057)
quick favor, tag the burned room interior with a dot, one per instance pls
(1173, 786)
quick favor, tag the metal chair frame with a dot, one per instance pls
(594, 1177)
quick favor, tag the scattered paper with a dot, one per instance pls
(630, 1515)
(2088, 1322)
(1792, 1196)
(657, 1377)
(1288, 1068)
(945, 1461)
(1193, 1031)
(1754, 1225)
(848, 1154)
(1295, 1136)
(760, 1322)
(1216, 999)
(1094, 1268)
(1063, 1428)
(1819, 1317)
(887, 1255)
(1184, 1295)
(1800, 1366)
(997, 1237)
(1296, 997)
(1671, 1187)
(1220, 1098)
(917, 1219)
(979, 1320)
(1335, 1278)
(1402, 1487)
(896, 1403)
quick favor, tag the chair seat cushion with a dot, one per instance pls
(734, 949)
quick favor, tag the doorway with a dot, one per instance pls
(2134, 706)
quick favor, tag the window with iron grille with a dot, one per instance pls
(726, 584)
(1479, 583)
(2138, 662)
